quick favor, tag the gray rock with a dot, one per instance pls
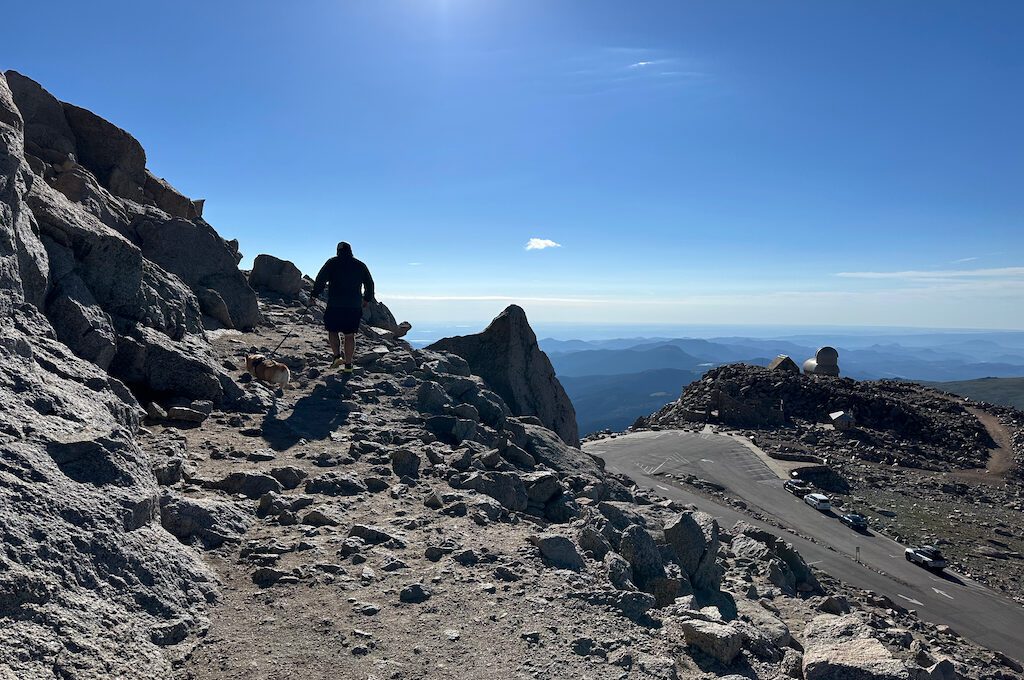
(335, 484)
(405, 463)
(373, 535)
(507, 357)
(793, 572)
(289, 476)
(541, 486)
(720, 641)
(506, 488)
(619, 571)
(591, 540)
(210, 523)
(265, 577)
(857, 659)
(414, 593)
(694, 537)
(431, 397)
(442, 427)
(185, 414)
(844, 647)
(250, 484)
(639, 549)
(558, 551)
(463, 429)
(273, 274)
(318, 518)
(633, 605)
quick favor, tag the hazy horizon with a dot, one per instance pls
(594, 332)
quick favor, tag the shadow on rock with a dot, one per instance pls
(314, 417)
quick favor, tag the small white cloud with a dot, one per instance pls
(415, 264)
(964, 259)
(541, 244)
(641, 64)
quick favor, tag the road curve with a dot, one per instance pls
(971, 609)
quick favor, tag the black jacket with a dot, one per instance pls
(348, 282)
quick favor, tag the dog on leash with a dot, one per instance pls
(268, 370)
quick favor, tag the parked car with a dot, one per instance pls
(818, 501)
(798, 487)
(854, 521)
(927, 556)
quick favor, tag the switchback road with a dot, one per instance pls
(971, 609)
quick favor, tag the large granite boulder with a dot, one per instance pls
(276, 275)
(786, 566)
(507, 357)
(845, 648)
(694, 538)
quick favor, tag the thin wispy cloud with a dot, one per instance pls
(615, 69)
(923, 275)
(415, 264)
(541, 244)
(964, 260)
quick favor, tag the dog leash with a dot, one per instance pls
(274, 351)
(286, 336)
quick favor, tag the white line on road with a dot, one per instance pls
(662, 487)
(811, 564)
(705, 460)
(942, 592)
(912, 600)
(659, 467)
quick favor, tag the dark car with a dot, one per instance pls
(798, 487)
(854, 521)
(927, 556)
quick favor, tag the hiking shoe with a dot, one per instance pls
(338, 361)
(348, 368)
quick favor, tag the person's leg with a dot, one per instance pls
(335, 341)
(350, 348)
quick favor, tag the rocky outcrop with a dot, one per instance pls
(90, 583)
(919, 426)
(507, 357)
(124, 268)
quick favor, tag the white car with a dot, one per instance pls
(818, 501)
(927, 556)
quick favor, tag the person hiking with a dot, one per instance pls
(349, 290)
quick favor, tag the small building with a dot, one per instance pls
(842, 420)
(784, 364)
(825, 362)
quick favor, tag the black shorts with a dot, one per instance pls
(343, 319)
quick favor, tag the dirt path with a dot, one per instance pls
(1001, 458)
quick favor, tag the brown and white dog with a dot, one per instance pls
(268, 370)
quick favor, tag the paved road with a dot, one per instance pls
(970, 608)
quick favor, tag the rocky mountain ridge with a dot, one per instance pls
(408, 521)
(895, 421)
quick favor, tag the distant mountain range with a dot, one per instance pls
(1003, 391)
(613, 381)
(619, 361)
(615, 401)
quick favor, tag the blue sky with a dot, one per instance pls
(698, 162)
